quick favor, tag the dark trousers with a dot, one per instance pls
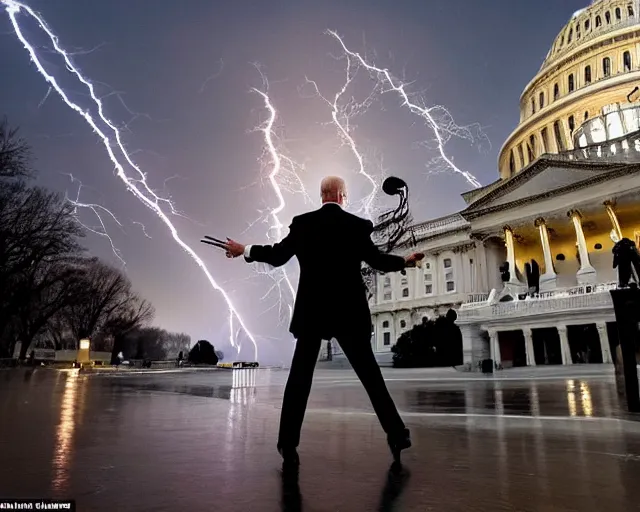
(360, 355)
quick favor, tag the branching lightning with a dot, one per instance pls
(98, 210)
(437, 117)
(139, 186)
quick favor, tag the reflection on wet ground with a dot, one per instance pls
(206, 441)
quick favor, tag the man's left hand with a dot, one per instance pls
(233, 248)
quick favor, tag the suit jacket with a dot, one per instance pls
(330, 245)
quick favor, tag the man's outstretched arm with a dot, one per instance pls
(383, 262)
(275, 255)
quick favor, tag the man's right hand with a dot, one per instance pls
(414, 260)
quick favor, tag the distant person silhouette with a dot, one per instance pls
(331, 302)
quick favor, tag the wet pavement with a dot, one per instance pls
(543, 439)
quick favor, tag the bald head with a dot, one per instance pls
(333, 190)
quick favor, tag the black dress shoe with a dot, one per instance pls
(290, 458)
(399, 442)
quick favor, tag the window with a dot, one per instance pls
(626, 59)
(606, 66)
(387, 282)
(512, 163)
(598, 21)
(472, 274)
(572, 83)
(428, 279)
(556, 92)
(448, 275)
(387, 296)
(403, 324)
(545, 140)
(630, 10)
(533, 105)
(530, 153)
(541, 100)
(405, 292)
(404, 281)
(570, 38)
(558, 135)
(521, 155)
(618, 13)
(607, 16)
(572, 124)
(532, 143)
(385, 324)
(427, 265)
(578, 31)
(387, 338)
(587, 24)
(428, 289)
(586, 116)
(587, 75)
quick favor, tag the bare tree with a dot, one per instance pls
(176, 343)
(15, 154)
(132, 314)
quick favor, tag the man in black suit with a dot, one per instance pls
(331, 302)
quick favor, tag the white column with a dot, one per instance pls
(586, 274)
(511, 254)
(494, 345)
(604, 343)
(564, 345)
(548, 279)
(528, 345)
(613, 218)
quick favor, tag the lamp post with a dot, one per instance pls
(83, 351)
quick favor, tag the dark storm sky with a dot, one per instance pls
(472, 57)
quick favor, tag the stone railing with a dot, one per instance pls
(623, 149)
(476, 300)
(579, 297)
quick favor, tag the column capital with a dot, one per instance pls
(527, 331)
(492, 333)
(574, 213)
(506, 227)
(609, 203)
(540, 222)
(601, 326)
(562, 329)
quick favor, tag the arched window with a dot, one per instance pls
(556, 92)
(512, 164)
(570, 38)
(545, 141)
(607, 16)
(521, 155)
(572, 124)
(630, 10)
(626, 59)
(572, 83)
(598, 21)
(557, 132)
(587, 24)
(587, 75)
(606, 67)
(532, 144)
(541, 100)
(578, 31)
(533, 105)
(618, 13)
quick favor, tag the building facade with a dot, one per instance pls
(559, 206)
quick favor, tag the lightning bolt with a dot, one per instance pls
(98, 210)
(437, 117)
(341, 116)
(138, 187)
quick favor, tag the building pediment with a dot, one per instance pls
(548, 176)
